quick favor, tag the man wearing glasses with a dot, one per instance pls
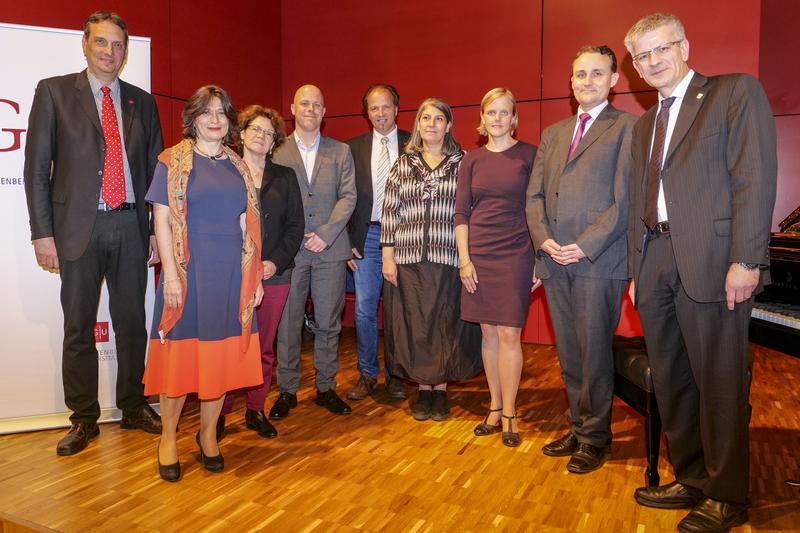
(703, 184)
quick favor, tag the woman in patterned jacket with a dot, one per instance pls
(425, 339)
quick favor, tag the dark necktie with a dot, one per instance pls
(113, 173)
(654, 168)
(584, 118)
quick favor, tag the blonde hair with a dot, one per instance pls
(650, 23)
(449, 145)
(491, 96)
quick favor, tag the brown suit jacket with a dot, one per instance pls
(583, 200)
(719, 179)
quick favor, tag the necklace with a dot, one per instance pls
(214, 158)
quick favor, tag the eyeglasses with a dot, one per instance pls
(258, 131)
(658, 51)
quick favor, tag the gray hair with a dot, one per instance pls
(650, 23)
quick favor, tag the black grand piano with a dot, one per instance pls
(775, 319)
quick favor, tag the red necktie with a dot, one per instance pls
(654, 167)
(113, 172)
(578, 134)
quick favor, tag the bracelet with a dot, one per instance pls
(749, 266)
(468, 263)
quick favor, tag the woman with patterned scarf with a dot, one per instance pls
(425, 339)
(207, 225)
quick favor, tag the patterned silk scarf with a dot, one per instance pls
(178, 160)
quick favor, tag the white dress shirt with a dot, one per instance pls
(377, 207)
(674, 109)
(594, 112)
(308, 154)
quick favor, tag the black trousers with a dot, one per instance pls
(700, 367)
(585, 312)
(115, 254)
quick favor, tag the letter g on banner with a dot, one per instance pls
(16, 134)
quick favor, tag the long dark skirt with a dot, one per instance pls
(426, 340)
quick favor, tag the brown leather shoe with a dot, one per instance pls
(77, 438)
(712, 516)
(674, 495)
(561, 447)
(364, 387)
(142, 417)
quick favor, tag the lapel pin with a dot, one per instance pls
(130, 102)
(699, 96)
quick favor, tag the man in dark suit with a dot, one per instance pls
(703, 182)
(324, 169)
(373, 154)
(91, 150)
(577, 214)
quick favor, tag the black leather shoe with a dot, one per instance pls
(561, 447)
(510, 438)
(485, 429)
(171, 473)
(421, 410)
(440, 406)
(713, 516)
(257, 421)
(77, 438)
(142, 417)
(586, 458)
(285, 402)
(331, 401)
(675, 495)
(220, 427)
(212, 464)
(396, 389)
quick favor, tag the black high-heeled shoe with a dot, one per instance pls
(171, 473)
(511, 438)
(484, 429)
(212, 464)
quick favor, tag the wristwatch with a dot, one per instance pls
(749, 266)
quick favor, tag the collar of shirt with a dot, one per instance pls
(376, 137)
(594, 113)
(97, 86)
(680, 90)
(305, 148)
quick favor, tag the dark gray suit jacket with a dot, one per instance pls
(719, 179)
(64, 156)
(361, 148)
(330, 197)
(583, 200)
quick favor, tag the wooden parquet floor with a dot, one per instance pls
(379, 470)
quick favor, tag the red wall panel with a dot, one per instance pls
(455, 50)
(724, 36)
(779, 68)
(788, 198)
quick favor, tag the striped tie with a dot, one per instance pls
(384, 163)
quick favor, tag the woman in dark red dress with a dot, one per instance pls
(496, 254)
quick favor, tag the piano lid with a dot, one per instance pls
(791, 224)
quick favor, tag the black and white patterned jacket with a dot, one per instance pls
(416, 194)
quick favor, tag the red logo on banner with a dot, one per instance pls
(16, 134)
(101, 332)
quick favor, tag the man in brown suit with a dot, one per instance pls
(577, 212)
(703, 182)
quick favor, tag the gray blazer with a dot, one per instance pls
(719, 179)
(583, 200)
(329, 200)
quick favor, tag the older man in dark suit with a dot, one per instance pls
(91, 150)
(703, 186)
(373, 155)
(577, 214)
(324, 169)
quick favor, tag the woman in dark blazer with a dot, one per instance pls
(282, 223)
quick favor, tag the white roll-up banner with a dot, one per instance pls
(31, 326)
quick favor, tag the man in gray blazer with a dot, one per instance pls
(703, 182)
(577, 214)
(324, 169)
(374, 153)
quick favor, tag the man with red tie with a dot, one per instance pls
(92, 146)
